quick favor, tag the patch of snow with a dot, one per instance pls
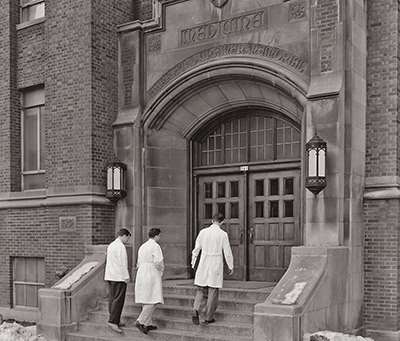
(16, 332)
(334, 336)
(292, 296)
(76, 275)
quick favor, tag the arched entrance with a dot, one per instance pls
(175, 125)
(246, 165)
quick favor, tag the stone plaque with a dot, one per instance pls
(244, 23)
(67, 224)
(297, 10)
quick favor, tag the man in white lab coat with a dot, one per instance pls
(148, 284)
(212, 242)
(117, 275)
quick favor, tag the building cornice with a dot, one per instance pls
(382, 187)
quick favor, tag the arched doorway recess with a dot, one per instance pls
(246, 165)
(176, 121)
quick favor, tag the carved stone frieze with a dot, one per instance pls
(273, 53)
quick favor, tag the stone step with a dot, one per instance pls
(185, 324)
(224, 293)
(187, 301)
(166, 311)
(89, 331)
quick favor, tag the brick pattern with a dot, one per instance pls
(9, 100)
(381, 264)
(382, 93)
(77, 63)
(34, 232)
(381, 242)
(68, 85)
(142, 9)
(106, 16)
(31, 56)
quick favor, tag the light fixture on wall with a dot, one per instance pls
(116, 184)
(316, 164)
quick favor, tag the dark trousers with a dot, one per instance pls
(206, 297)
(116, 300)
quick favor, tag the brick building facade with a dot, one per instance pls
(140, 82)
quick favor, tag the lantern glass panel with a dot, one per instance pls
(312, 162)
(109, 178)
(117, 178)
(321, 163)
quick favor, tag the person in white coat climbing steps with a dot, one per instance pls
(148, 284)
(213, 243)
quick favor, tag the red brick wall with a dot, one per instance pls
(381, 302)
(9, 108)
(68, 87)
(382, 84)
(381, 264)
(142, 9)
(74, 54)
(105, 17)
(34, 232)
(31, 56)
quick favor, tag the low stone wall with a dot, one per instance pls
(64, 305)
(311, 296)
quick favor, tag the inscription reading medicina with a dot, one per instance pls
(244, 23)
(242, 49)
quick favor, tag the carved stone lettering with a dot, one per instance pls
(244, 49)
(244, 23)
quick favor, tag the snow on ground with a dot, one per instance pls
(333, 336)
(16, 332)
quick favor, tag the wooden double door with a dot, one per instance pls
(262, 218)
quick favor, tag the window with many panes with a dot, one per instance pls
(250, 138)
(31, 10)
(33, 176)
(28, 278)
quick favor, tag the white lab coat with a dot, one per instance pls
(116, 262)
(212, 241)
(148, 284)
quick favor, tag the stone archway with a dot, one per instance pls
(168, 182)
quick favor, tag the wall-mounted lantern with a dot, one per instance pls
(116, 184)
(316, 164)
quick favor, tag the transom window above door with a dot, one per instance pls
(248, 138)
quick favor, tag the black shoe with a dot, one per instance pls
(195, 317)
(141, 327)
(151, 327)
(209, 321)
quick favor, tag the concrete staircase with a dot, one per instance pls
(234, 315)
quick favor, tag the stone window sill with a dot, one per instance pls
(30, 23)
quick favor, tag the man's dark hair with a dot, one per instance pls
(154, 232)
(218, 217)
(124, 232)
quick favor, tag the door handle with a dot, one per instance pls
(251, 235)
(241, 237)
